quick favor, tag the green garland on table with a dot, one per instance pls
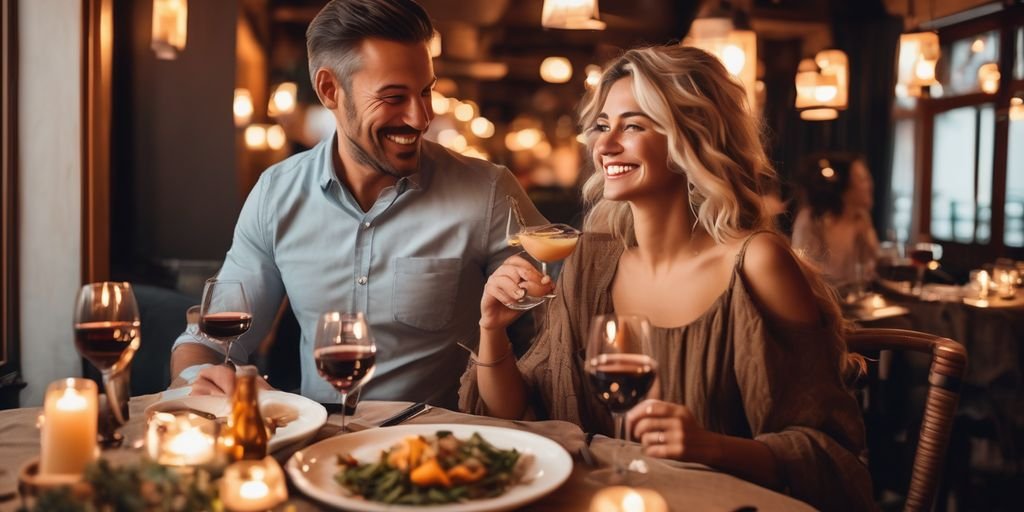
(145, 487)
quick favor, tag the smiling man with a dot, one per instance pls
(375, 219)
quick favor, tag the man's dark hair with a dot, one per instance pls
(334, 36)
(824, 179)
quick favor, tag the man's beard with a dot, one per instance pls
(376, 162)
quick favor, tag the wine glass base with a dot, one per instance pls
(611, 476)
(526, 303)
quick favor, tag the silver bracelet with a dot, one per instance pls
(496, 362)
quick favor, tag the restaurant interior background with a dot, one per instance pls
(166, 141)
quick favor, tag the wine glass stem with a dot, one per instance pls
(115, 414)
(344, 404)
(227, 352)
(544, 268)
(620, 433)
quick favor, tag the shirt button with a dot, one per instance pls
(366, 224)
(361, 280)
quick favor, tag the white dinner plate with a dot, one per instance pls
(310, 415)
(312, 469)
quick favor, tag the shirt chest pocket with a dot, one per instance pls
(425, 290)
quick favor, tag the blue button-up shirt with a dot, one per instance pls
(415, 264)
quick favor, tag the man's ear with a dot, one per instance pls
(327, 88)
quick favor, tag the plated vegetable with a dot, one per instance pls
(434, 470)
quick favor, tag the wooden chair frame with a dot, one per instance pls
(949, 362)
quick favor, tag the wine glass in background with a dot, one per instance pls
(621, 370)
(107, 334)
(924, 256)
(224, 314)
(344, 352)
(546, 243)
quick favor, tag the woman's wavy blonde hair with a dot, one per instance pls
(713, 140)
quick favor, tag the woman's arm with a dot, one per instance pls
(501, 385)
(670, 431)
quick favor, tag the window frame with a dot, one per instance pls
(1007, 22)
(11, 381)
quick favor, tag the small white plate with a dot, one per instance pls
(312, 469)
(311, 415)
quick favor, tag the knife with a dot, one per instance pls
(406, 414)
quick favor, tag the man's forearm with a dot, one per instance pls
(191, 354)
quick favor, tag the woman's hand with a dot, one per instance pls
(513, 280)
(670, 431)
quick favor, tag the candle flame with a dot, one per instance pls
(253, 490)
(71, 400)
(105, 296)
(191, 443)
(633, 502)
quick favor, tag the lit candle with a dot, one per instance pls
(627, 499)
(252, 485)
(181, 439)
(983, 284)
(68, 427)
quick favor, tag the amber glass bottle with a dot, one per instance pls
(245, 437)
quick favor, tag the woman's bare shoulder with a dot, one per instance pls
(776, 280)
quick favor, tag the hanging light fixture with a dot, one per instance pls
(988, 77)
(571, 15)
(822, 85)
(170, 28)
(725, 33)
(918, 54)
(283, 99)
(556, 70)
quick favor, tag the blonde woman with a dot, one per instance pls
(749, 346)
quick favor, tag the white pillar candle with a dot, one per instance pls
(253, 485)
(69, 427)
(627, 499)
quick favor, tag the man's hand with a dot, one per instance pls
(219, 380)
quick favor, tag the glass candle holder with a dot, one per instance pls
(68, 437)
(253, 485)
(1005, 282)
(182, 439)
(627, 499)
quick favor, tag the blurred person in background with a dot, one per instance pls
(833, 225)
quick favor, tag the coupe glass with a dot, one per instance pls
(621, 370)
(345, 353)
(546, 243)
(107, 334)
(224, 314)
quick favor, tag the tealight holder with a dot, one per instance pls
(627, 499)
(1005, 282)
(182, 440)
(253, 485)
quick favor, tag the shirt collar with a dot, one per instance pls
(415, 181)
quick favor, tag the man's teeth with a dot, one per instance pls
(615, 170)
(402, 139)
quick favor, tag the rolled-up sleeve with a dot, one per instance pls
(251, 261)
